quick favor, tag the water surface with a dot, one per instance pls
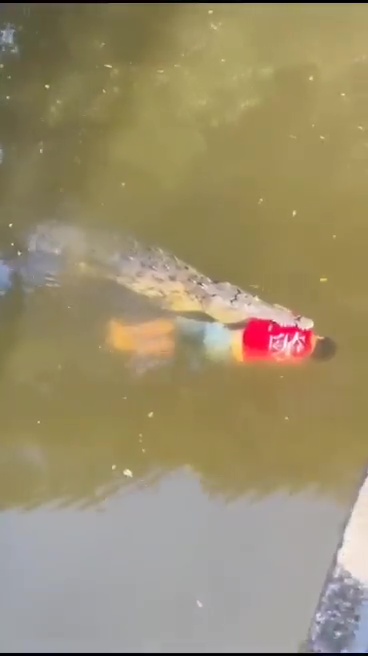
(182, 510)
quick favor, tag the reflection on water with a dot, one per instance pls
(235, 136)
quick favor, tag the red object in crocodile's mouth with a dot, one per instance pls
(266, 340)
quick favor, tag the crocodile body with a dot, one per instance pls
(149, 271)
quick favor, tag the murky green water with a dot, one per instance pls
(183, 510)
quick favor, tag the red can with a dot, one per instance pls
(267, 341)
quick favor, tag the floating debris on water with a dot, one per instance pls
(199, 603)
(323, 279)
(107, 65)
(8, 43)
(140, 440)
(113, 467)
(294, 213)
(260, 201)
(128, 473)
(150, 414)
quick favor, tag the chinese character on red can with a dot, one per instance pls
(266, 340)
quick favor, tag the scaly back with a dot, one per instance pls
(152, 272)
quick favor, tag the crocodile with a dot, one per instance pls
(149, 271)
